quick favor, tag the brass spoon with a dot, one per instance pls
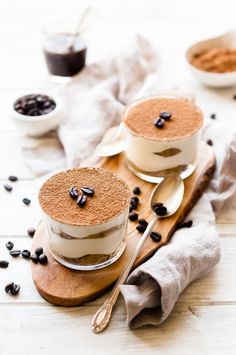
(169, 192)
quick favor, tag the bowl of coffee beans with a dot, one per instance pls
(36, 114)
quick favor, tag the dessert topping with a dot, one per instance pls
(89, 191)
(165, 115)
(73, 192)
(159, 122)
(81, 201)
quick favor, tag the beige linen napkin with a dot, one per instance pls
(95, 100)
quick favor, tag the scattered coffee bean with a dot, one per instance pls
(7, 187)
(156, 237)
(73, 192)
(165, 115)
(159, 123)
(26, 254)
(137, 190)
(15, 253)
(161, 210)
(4, 264)
(43, 259)
(13, 178)
(34, 258)
(26, 201)
(31, 232)
(133, 216)
(131, 208)
(89, 191)
(143, 222)
(187, 224)
(141, 228)
(34, 105)
(213, 116)
(15, 289)
(157, 204)
(134, 201)
(39, 251)
(209, 142)
(9, 245)
(9, 287)
(81, 201)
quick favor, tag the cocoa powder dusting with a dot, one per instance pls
(186, 118)
(110, 198)
(216, 60)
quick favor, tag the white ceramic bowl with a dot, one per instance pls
(36, 126)
(226, 40)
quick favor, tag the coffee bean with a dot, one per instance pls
(46, 104)
(137, 190)
(34, 105)
(213, 116)
(9, 245)
(143, 222)
(43, 259)
(131, 208)
(12, 178)
(73, 192)
(15, 289)
(33, 112)
(209, 142)
(81, 201)
(159, 123)
(26, 201)
(9, 287)
(34, 258)
(141, 228)
(4, 264)
(31, 232)
(87, 191)
(39, 251)
(157, 204)
(187, 224)
(7, 187)
(134, 202)
(161, 210)
(165, 115)
(156, 237)
(133, 216)
(26, 254)
(15, 253)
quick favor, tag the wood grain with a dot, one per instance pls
(62, 286)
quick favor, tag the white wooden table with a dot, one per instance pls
(204, 318)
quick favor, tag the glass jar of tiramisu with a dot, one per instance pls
(85, 212)
(162, 134)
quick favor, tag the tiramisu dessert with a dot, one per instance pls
(85, 211)
(162, 136)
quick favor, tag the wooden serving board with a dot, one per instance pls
(62, 286)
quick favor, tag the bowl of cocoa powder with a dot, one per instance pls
(213, 61)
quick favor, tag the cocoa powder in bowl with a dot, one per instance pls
(111, 196)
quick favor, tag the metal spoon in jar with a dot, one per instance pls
(170, 193)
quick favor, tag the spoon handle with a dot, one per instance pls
(102, 317)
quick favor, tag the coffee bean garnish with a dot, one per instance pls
(89, 191)
(31, 232)
(39, 251)
(12, 178)
(8, 187)
(165, 115)
(73, 192)
(9, 245)
(161, 210)
(43, 259)
(143, 222)
(81, 201)
(34, 258)
(213, 116)
(15, 253)
(9, 287)
(159, 122)
(26, 254)
(4, 264)
(141, 228)
(26, 201)
(137, 190)
(34, 105)
(15, 289)
(156, 237)
(209, 142)
(133, 216)
(187, 224)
